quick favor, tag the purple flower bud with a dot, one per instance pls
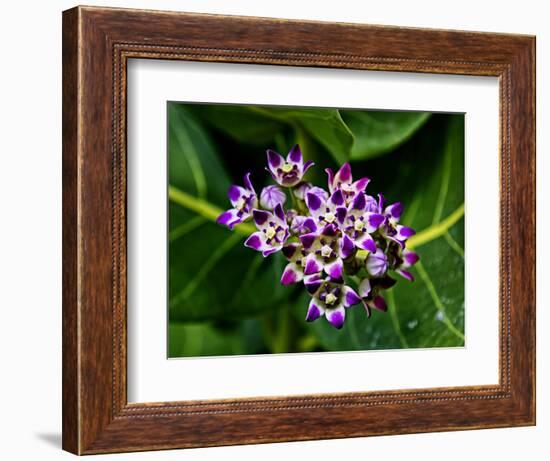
(377, 263)
(271, 196)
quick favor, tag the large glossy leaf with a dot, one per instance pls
(345, 134)
(429, 312)
(377, 133)
(211, 274)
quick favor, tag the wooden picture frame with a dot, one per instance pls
(97, 43)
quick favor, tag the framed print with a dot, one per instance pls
(281, 230)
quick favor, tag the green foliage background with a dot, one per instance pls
(226, 299)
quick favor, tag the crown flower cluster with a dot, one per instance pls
(329, 237)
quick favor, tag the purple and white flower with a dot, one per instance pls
(272, 231)
(290, 171)
(243, 199)
(391, 230)
(331, 300)
(326, 252)
(343, 180)
(359, 223)
(325, 238)
(327, 212)
(271, 196)
(407, 259)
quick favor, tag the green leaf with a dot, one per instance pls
(377, 133)
(211, 274)
(429, 179)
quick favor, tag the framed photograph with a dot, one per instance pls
(281, 230)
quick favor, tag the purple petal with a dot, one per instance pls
(359, 202)
(410, 258)
(270, 251)
(313, 311)
(364, 288)
(336, 317)
(261, 217)
(381, 202)
(330, 174)
(366, 242)
(330, 230)
(361, 184)
(405, 274)
(341, 213)
(377, 263)
(307, 240)
(309, 224)
(307, 166)
(337, 198)
(313, 202)
(313, 283)
(279, 212)
(394, 210)
(404, 233)
(291, 274)
(229, 218)
(346, 247)
(295, 154)
(379, 303)
(248, 183)
(235, 193)
(290, 250)
(256, 241)
(335, 269)
(274, 160)
(351, 297)
(344, 173)
(313, 265)
(374, 221)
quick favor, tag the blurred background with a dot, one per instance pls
(226, 299)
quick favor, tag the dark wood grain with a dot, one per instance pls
(97, 43)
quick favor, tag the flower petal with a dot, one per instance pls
(314, 311)
(295, 155)
(292, 274)
(350, 297)
(313, 264)
(291, 250)
(261, 218)
(279, 212)
(364, 288)
(336, 316)
(361, 184)
(346, 247)
(366, 242)
(359, 202)
(378, 303)
(236, 193)
(374, 220)
(256, 241)
(307, 166)
(313, 283)
(330, 174)
(335, 269)
(405, 274)
(274, 160)
(337, 198)
(308, 240)
(403, 232)
(344, 174)
(314, 203)
(248, 183)
(410, 258)
(395, 210)
(230, 217)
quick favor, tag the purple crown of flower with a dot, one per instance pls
(328, 237)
